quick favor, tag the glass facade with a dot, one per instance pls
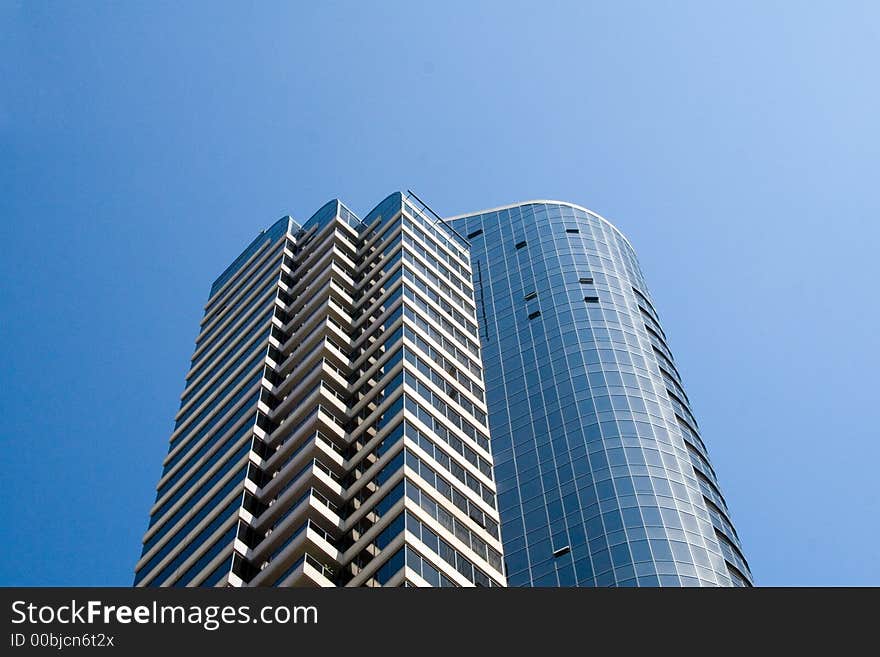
(333, 430)
(603, 478)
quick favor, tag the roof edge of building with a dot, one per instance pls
(544, 202)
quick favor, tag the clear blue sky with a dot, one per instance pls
(143, 145)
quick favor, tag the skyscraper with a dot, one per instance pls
(333, 426)
(335, 423)
(602, 475)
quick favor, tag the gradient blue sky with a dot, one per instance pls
(144, 144)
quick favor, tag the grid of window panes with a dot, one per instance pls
(443, 434)
(601, 473)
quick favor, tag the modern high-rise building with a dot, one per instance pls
(335, 425)
(603, 478)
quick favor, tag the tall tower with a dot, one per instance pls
(602, 475)
(333, 426)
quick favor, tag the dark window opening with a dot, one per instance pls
(572, 230)
(591, 299)
(534, 314)
(520, 245)
(586, 280)
(530, 296)
(476, 233)
(561, 551)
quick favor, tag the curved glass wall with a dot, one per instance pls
(602, 477)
